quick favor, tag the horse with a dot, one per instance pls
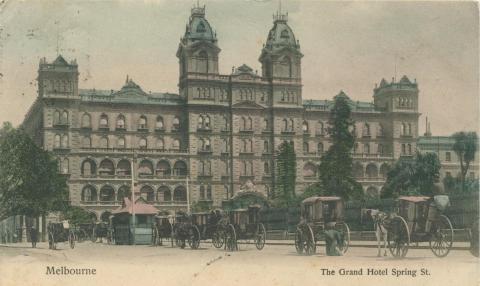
(380, 220)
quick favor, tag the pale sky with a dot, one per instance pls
(348, 46)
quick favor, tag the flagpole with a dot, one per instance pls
(188, 198)
(132, 171)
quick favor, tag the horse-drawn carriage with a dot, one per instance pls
(102, 230)
(211, 225)
(420, 219)
(316, 213)
(162, 229)
(244, 224)
(60, 232)
(184, 230)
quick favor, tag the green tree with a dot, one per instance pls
(29, 181)
(336, 165)
(465, 147)
(286, 164)
(413, 176)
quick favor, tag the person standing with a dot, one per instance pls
(34, 236)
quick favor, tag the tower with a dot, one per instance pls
(57, 79)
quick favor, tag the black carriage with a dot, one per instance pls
(60, 232)
(420, 219)
(162, 229)
(316, 213)
(83, 231)
(102, 230)
(185, 231)
(244, 224)
(211, 225)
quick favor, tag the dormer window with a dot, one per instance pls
(284, 34)
(142, 122)
(201, 28)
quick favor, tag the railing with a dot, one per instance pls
(371, 155)
(131, 150)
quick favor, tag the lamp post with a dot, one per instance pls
(132, 171)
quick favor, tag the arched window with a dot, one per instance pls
(201, 28)
(284, 34)
(372, 170)
(200, 122)
(145, 168)
(89, 194)
(291, 125)
(64, 118)
(106, 168)
(265, 124)
(209, 192)
(88, 168)
(142, 143)
(124, 168)
(249, 123)
(384, 170)
(320, 128)
(176, 144)
(180, 194)
(103, 121)
(121, 142)
(380, 131)
(65, 141)
(202, 192)
(266, 168)
(86, 142)
(207, 122)
(366, 148)
(163, 168)
(164, 194)
(104, 142)
(120, 122)
(305, 147)
(305, 127)
(160, 144)
(57, 141)
(320, 148)
(404, 129)
(224, 146)
(123, 192)
(147, 193)
(285, 125)
(366, 130)
(86, 121)
(225, 126)
(265, 147)
(56, 117)
(159, 123)
(176, 123)
(409, 130)
(142, 122)
(107, 194)
(180, 168)
(65, 166)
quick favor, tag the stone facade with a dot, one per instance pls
(221, 130)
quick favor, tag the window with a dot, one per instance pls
(176, 123)
(409, 146)
(404, 150)
(448, 156)
(366, 148)
(160, 144)
(86, 142)
(207, 122)
(366, 130)
(200, 122)
(381, 150)
(65, 167)
(225, 123)
(284, 34)
(320, 148)
(142, 122)
(305, 147)
(291, 125)
(56, 117)
(103, 121)
(86, 121)
(121, 122)
(224, 146)
(209, 192)
(265, 146)
(143, 143)
(448, 174)
(176, 144)
(64, 141)
(121, 142)
(159, 123)
(320, 128)
(409, 129)
(202, 192)
(104, 142)
(64, 119)
(380, 131)
(265, 125)
(201, 28)
(266, 168)
(57, 141)
(305, 127)
(403, 131)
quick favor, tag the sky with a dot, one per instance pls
(347, 46)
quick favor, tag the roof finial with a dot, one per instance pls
(126, 81)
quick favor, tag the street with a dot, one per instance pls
(274, 265)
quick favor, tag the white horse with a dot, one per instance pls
(381, 232)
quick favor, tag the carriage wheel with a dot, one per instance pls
(260, 237)
(300, 243)
(231, 238)
(194, 237)
(441, 239)
(217, 238)
(71, 240)
(311, 247)
(398, 237)
(473, 237)
(345, 233)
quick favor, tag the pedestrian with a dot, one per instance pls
(332, 240)
(33, 236)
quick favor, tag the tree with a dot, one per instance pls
(336, 176)
(465, 147)
(29, 181)
(413, 176)
(286, 163)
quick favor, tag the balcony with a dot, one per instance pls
(61, 125)
(246, 131)
(131, 150)
(370, 155)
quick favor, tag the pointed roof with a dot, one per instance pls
(342, 94)
(140, 207)
(405, 80)
(244, 69)
(60, 61)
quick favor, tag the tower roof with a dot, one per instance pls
(198, 27)
(281, 35)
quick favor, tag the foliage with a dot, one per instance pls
(465, 146)
(29, 181)
(286, 163)
(336, 176)
(455, 185)
(77, 215)
(201, 206)
(413, 176)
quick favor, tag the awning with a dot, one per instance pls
(139, 207)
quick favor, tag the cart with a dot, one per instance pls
(244, 224)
